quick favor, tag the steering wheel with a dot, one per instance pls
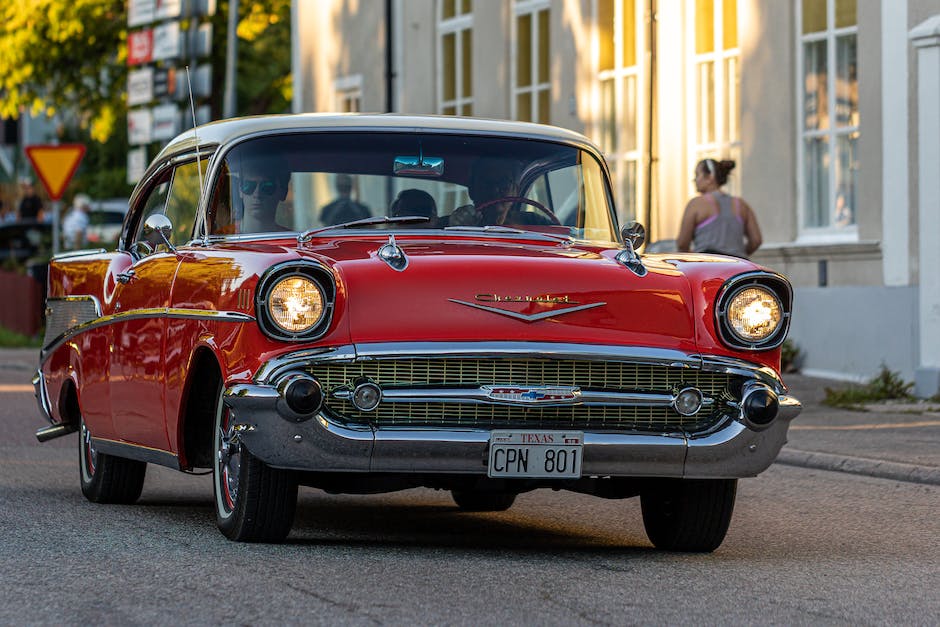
(552, 219)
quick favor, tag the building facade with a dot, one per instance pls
(829, 108)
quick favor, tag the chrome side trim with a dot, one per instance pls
(42, 396)
(87, 252)
(527, 318)
(136, 451)
(137, 314)
(272, 369)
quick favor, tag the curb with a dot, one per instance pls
(861, 466)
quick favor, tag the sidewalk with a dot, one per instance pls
(891, 441)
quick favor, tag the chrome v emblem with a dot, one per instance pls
(527, 318)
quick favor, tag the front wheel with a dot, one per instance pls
(253, 502)
(688, 514)
(106, 478)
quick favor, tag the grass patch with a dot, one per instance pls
(884, 386)
(11, 339)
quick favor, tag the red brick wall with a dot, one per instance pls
(20, 303)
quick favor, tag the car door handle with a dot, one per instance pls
(125, 277)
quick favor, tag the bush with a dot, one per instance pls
(790, 357)
(11, 339)
(884, 386)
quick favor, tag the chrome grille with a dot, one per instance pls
(595, 375)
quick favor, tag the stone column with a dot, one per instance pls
(925, 37)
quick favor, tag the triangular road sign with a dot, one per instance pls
(55, 164)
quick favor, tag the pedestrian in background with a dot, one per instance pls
(30, 207)
(75, 223)
(7, 215)
(344, 208)
(716, 222)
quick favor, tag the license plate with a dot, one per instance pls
(537, 454)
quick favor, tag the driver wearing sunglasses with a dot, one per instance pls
(261, 191)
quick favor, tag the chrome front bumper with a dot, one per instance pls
(268, 429)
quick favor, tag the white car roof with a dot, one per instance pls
(226, 131)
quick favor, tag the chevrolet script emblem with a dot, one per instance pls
(532, 394)
(542, 315)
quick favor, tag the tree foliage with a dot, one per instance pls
(64, 56)
(264, 83)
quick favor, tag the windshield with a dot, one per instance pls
(305, 182)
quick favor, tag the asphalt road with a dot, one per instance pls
(805, 547)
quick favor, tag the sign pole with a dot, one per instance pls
(56, 214)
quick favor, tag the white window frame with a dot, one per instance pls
(831, 233)
(348, 90)
(532, 7)
(723, 145)
(619, 160)
(452, 26)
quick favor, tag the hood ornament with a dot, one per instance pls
(633, 236)
(392, 254)
(527, 317)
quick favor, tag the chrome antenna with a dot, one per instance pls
(192, 110)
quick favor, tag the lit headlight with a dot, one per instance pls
(754, 314)
(296, 304)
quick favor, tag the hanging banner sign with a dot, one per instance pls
(136, 164)
(165, 83)
(139, 127)
(166, 122)
(140, 88)
(167, 9)
(140, 47)
(55, 165)
(140, 12)
(166, 41)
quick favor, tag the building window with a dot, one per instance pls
(619, 80)
(715, 85)
(828, 109)
(531, 71)
(348, 91)
(455, 53)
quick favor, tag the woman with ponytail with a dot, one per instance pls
(715, 222)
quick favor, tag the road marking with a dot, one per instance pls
(900, 425)
(16, 388)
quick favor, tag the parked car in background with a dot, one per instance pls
(23, 241)
(488, 330)
(104, 222)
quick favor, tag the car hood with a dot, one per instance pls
(495, 290)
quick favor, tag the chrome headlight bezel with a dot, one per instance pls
(777, 286)
(322, 279)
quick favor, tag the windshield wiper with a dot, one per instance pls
(307, 235)
(499, 228)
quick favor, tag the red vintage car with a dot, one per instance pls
(371, 303)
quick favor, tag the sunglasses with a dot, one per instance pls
(266, 187)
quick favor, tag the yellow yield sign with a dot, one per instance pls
(55, 164)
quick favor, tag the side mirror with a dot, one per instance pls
(157, 230)
(634, 233)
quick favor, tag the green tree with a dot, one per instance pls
(65, 56)
(264, 82)
(71, 57)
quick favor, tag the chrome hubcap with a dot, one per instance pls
(228, 460)
(91, 456)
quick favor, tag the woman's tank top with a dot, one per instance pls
(721, 233)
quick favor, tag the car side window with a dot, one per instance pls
(155, 203)
(184, 200)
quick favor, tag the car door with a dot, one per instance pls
(141, 300)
